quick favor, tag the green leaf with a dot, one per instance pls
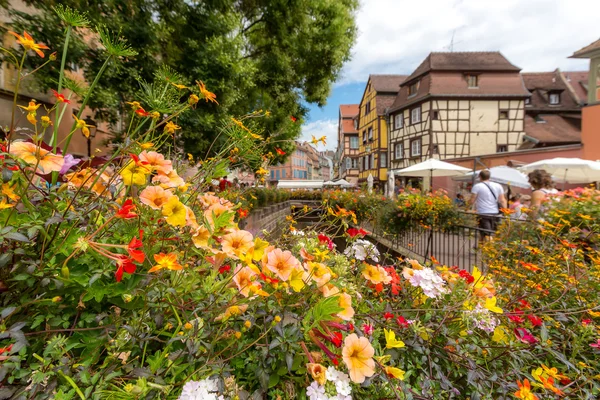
(17, 236)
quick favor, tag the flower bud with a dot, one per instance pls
(247, 324)
(193, 99)
(188, 326)
(52, 57)
(56, 299)
(65, 272)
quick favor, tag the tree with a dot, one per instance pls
(275, 55)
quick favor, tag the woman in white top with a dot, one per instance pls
(542, 185)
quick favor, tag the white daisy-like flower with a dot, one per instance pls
(206, 389)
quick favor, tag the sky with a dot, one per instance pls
(394, 36)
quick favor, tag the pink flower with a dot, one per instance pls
(524, 336)
(368, 329)
(402, 322)
(596, 345)
(324, 239)
(586, 321)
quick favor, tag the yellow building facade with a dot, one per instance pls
(380, 92)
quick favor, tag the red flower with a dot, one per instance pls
(353, 232)
(379, 287)
(388, 316)
(586, 321)
(466, 276)
(402, 322)
(60, 98)
(242, 212)
(324, 239)
(350, 327)
(535, 321)
(126, 210)
(294, 119)
(125, 264)
(524, 336)
(225, 268)
(525, 304)
(279, 151)
(269, 279)
(336, 339)
(367, 329)
(137, 255)
(137, 161)
(141, 112)
(335, 362)
(6, 349)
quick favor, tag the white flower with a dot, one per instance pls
(316, 391)
(431, 283)
(362, 249)
(206, 389)
(341, 381)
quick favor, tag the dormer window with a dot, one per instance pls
(528, 101)
(472, 81)
(554, 98)
(413, 88)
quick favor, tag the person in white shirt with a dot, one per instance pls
(488, 197)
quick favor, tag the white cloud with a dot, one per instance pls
(536, 35)
(328, 128)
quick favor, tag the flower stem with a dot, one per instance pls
(54, 141)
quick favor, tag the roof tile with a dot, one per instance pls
(554, 129)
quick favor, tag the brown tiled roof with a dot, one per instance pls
(384, 102)
(387, 83)
(579, 82)
(348, 126)
(349, 110)
(590, 48)
(454, 84)
(554, 130)
(464, 61)
(540, 84)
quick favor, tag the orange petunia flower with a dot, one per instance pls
(156, 161)
(46, 161)
(320, 273)
(237, 243)
(376, 274)
(200, 237)
(282, 263)
(155, 197)
(329, 290)
(29, 44)
(168, 261)
(358, 357)
(345, 301)
(243, 278)
(217, 210)
(170, 180)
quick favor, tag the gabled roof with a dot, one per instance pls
(349, 110)
(541, 84)
(348, 126)
(386, 83)
(463, 61)
(579, 83)
(588, 50)
(552, 129)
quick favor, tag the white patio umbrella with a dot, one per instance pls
(343, 183)
(328, 183)
(370, 183)
(390, 184)
(503, 175)
(433, 168)
(571, 170)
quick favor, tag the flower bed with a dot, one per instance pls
(121, 279)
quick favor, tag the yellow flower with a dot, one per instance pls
(193, 99)
(4, 204)
(317, 371)
(175, 212)
(80, 124)
(200, 237)
(29, 44)
(297, 279)
(46, 122)
(277, 319)
(208, 96)
(345, 302)
(170, 128)
(395, 372)
(135, 105)
(134, 174)
(376, 274)
(499, 335)
(259, 248)
(262, 171)
(147, 145)
(31, 107)
(188, 326)
(9, 192)
(237, 334)
(320, 273)
(358, 357)
(232, 311)
(168, 261)
(391, 341)
(247, 324)
(155, 115)
(179, 86)
(490, 304)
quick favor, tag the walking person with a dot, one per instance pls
(487, 199)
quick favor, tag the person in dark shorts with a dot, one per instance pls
(487, 199)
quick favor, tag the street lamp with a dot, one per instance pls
(92, 125)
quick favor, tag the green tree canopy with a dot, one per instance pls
(254, 54)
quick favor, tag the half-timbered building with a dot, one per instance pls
(457, 105)
(348, 143)
(380, 92)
